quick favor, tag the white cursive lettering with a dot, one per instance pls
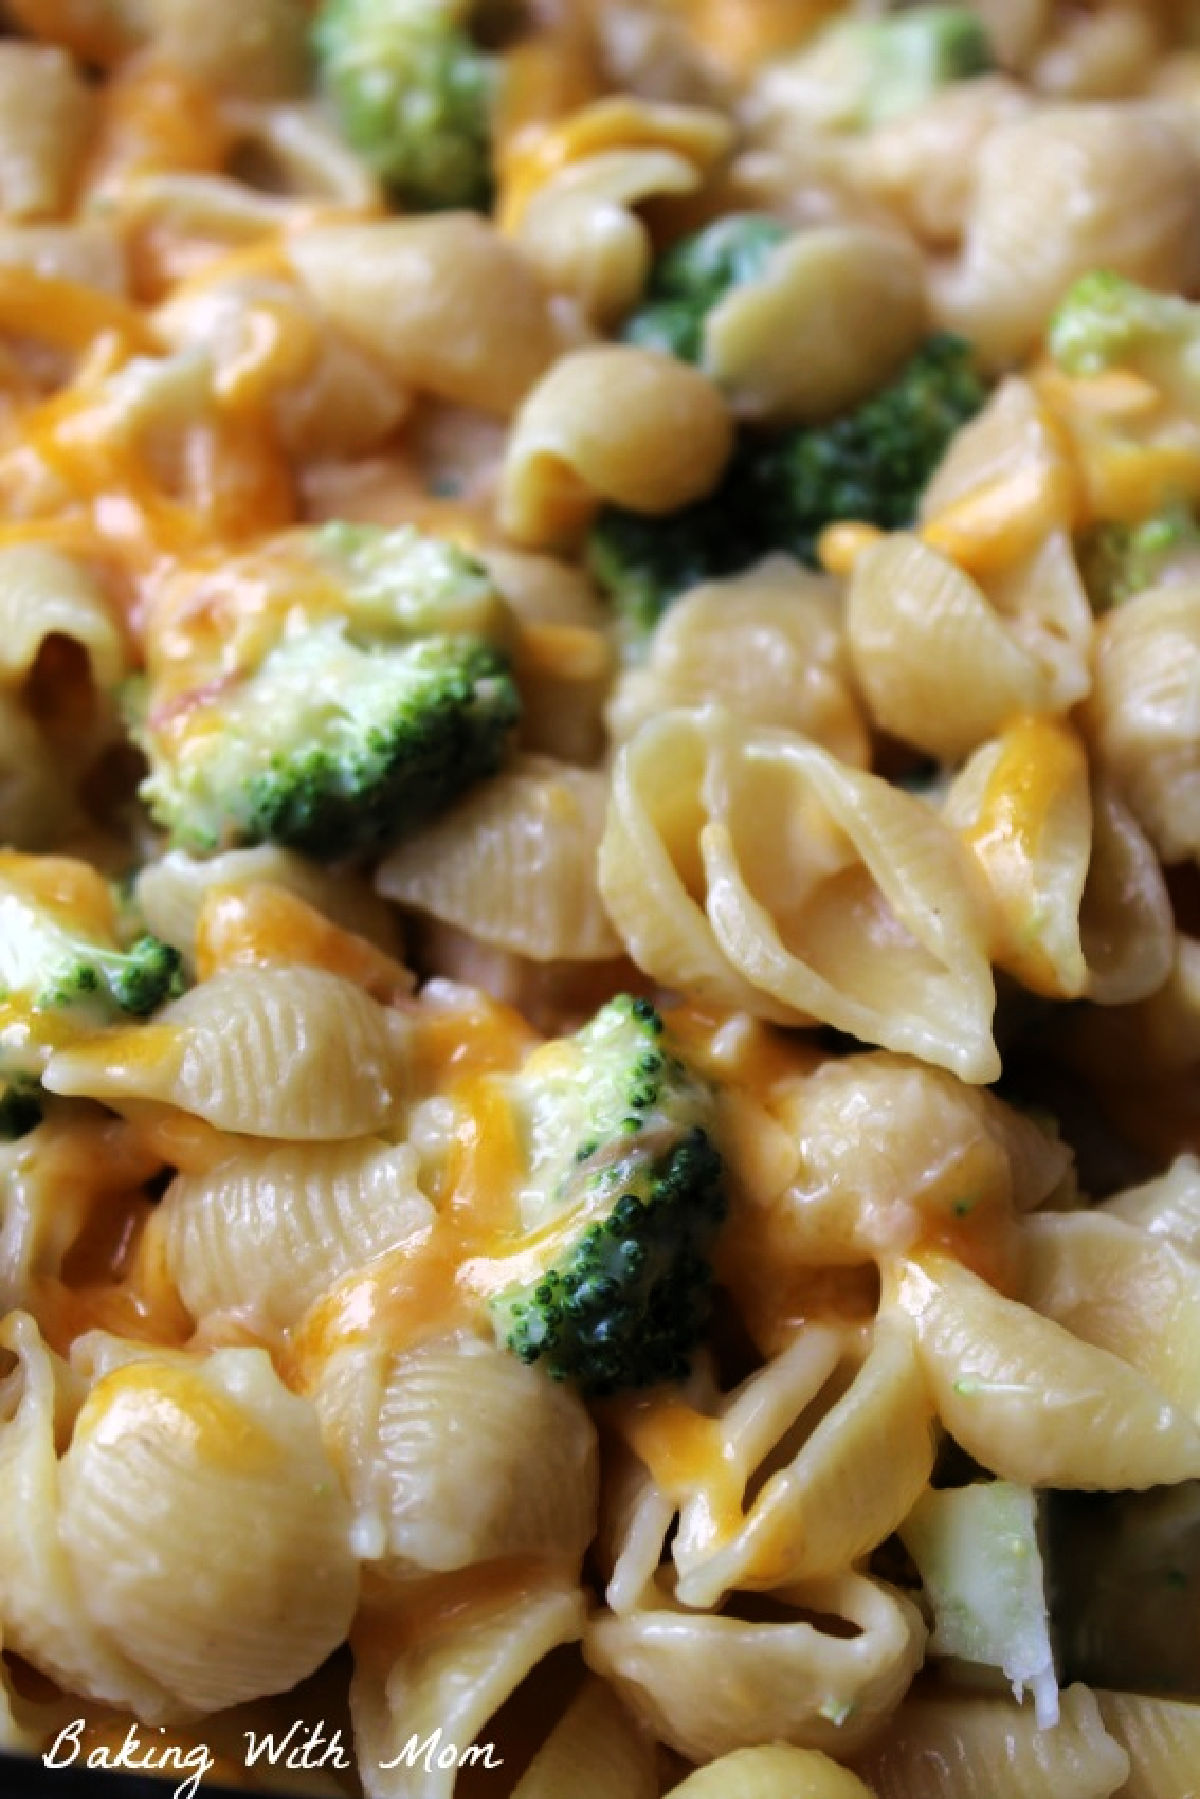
(298, 1753)
(134, 1756)
(433, 1755)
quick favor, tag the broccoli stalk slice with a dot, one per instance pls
(336, 750)
(872, 464)
(625, 1198)
(694, 276)
(413, 96)
(978, 1554)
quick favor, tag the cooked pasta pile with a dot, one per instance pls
(599, 930)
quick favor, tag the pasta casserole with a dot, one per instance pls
(599, 917)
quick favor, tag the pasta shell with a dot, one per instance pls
(1116, 188)
(1161, 1737)
(708, 1685)
(1127, 1292)
(937, 664)
(440, 1665)
(407, 291)
(829, 322)
(829, 893)
(44, 593)
(921, 165)
(48, 111)
(1005, 482)
(1126, 926)
(772, 1772)
(962, 1746)
(206, 1528)
(171, 893)
(650, 873)
(268, 1230)
(436, 1446)
(596, 1751)
(1033, 1403)
(851, 1484)
(514, 863)
(769, 646)
(1024, 809)
(271, 1052)
(1144, 715)
(610, 422)
(890, 1152)
(1167, 1207)
(818, 943)
(581, 232)
(90, 254)
(43, 1605)
(260, 49)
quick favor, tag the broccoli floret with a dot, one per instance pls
(872, 464)
(20, 1108)
(335, 750)
(76, 974)
(1120, 560)
(920, 51)
(136, 980)
(413, 96)
(860, 73)
(1107, 321)
(625, 1197)
(379, 697)
(644, 563)
(694, 276)
(400, 583)
(59, 965)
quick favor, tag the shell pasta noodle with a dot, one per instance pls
(599, 897)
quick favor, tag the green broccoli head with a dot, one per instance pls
(644, 563)
(1106, 321)
(859, 73)
(58, 963)
(136, 981)
(694, 276)
(334, 749)
(919, 51)
(625, 1198)
(874, 463)
(413, 96)
(398, 584)
(359, 684)
(1121, 560)
(778, 494)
